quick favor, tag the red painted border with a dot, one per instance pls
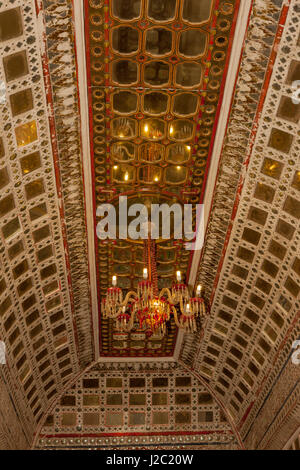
(269, 73)
(119, 434)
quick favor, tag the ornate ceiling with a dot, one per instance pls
(160, 399)
(151, 99)
(155, 73)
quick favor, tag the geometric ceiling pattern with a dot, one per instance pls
(169, 401)
(164, 67)
(156, 75)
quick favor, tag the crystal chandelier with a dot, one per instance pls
(149, 309)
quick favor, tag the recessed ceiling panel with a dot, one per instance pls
(156, 74)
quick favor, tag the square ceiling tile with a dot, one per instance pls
(264, 193)
(10, 24)
(26, 133)
(280, 140)
(288, 110)
(296, 181)
(21, 102)
(15, 66)
(294, 72)
(272, 168)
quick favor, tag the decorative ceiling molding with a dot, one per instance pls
(229, 89)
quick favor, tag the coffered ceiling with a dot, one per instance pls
(158, 100)
(156, 73)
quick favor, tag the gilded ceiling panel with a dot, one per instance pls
(156, 75)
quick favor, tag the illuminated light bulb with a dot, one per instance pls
(178, 276)
(171, 130)
(187, 308)
(178, 167)
(188, 148)
(146, 128)
(121, 135)
(145, 273)
(156, 178)
(126, 177)
(115, 167)
(199, 290)
(114, 281)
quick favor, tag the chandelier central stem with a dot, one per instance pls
(150, 250)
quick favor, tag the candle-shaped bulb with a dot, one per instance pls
(187, 308)
(114, 281)
(199, 290)
(145, 273)
(124, 309)
(178, 275)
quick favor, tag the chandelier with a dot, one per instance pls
(147, 308)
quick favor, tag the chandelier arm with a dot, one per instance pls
(176, 317)
(131, 322)
(119, 312)
(131, 296)
(182, 307)
(167, 291)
